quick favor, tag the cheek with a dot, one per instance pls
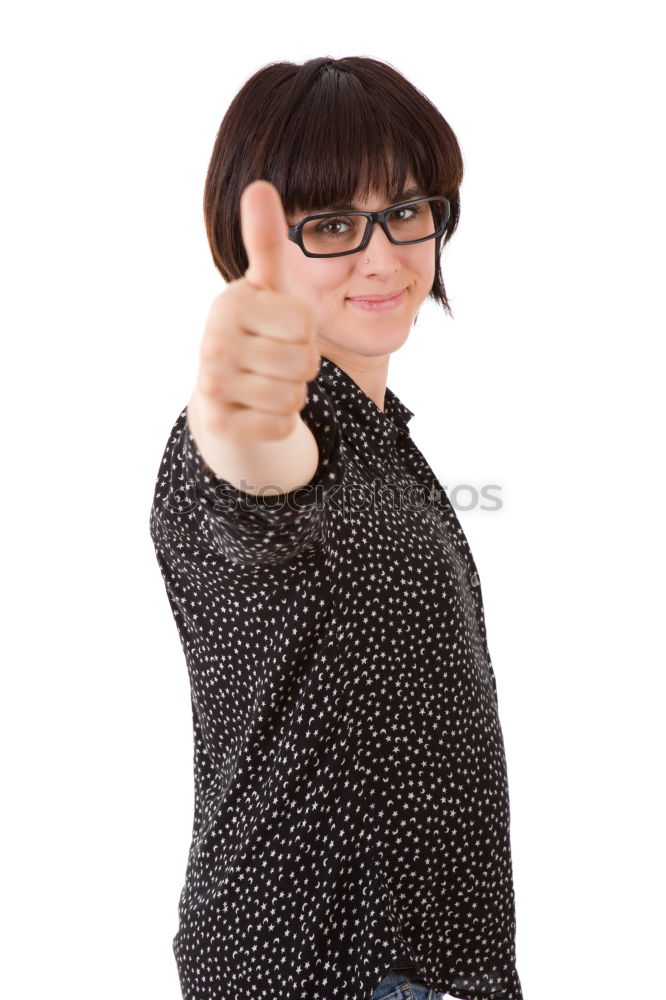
(316, 281)
(425, 264)
(323, 284)
(332, 282)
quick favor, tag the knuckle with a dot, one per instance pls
(310, 364)
(215, 385)
(211, 349)
(282, 427)
(284, 398)
(208, 383)
(298, 396)
(217, 420)
(217, 340)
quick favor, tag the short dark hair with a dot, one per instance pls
(321, 132)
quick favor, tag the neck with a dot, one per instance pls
(370, 374)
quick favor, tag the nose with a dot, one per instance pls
(379, 248)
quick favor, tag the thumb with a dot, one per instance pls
(264, 233)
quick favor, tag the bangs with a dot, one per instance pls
(343, 143)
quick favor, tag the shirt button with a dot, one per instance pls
(475, 580)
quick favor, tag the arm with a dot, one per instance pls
(252, 467)
(195, 506)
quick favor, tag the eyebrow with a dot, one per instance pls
(412, 192)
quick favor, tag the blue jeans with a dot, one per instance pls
(403, 984)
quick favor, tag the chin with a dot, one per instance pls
(362, 339)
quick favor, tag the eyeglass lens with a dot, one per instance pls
(338, 233)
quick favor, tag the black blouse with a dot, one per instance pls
(351, 805)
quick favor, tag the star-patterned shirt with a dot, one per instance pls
(351, 807)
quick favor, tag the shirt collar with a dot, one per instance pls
(349, 398)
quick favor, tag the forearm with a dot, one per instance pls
(284, 465)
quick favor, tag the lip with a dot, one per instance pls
(378, 302)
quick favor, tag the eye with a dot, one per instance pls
(323, 226)
(414, 209)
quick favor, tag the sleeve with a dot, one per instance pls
(245, 528)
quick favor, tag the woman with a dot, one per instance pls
(351, 813)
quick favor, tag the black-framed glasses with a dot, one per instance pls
(336, 234)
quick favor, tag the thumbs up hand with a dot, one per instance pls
(259, 345)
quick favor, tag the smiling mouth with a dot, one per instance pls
(375, 298)
(379, 305)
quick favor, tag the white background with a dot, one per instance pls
(548, 382)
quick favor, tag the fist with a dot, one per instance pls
(259, 345)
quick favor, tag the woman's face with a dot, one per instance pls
(346, 329)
